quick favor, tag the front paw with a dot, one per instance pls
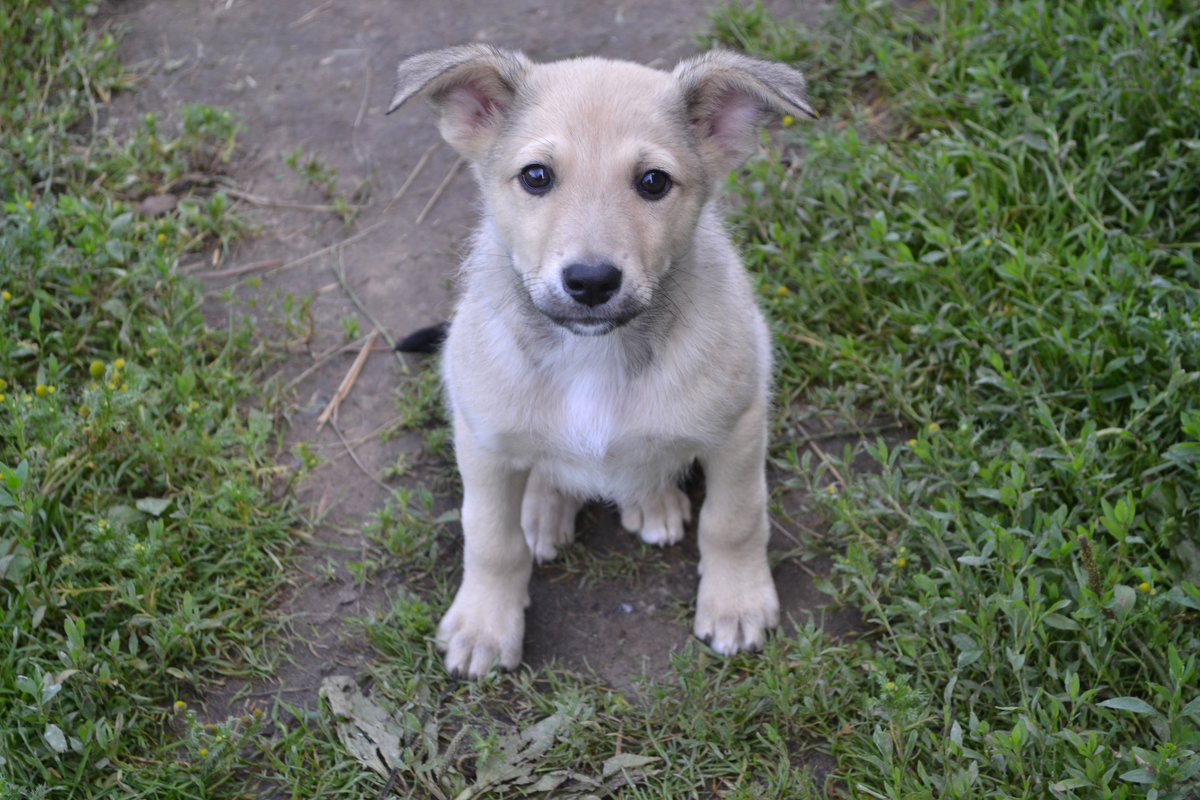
(659, 520)
(735, 608)
(482, 630)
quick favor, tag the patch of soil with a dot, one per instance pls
(318, 76)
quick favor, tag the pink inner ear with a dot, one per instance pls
(733, 119)
(471, 107)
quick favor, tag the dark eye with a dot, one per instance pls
(654, 184)
(537, 178)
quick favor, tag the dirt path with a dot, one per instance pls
(317, 76)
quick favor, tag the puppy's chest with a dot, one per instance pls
(596, 417)
(610, 440)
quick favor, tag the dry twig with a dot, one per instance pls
(322, 359)
(347, 382)
(340, 272)
(268, 202)
(235, 271)
(358, 462)
(825, 459)
(412, 175)
(312, 14)
(437, 193)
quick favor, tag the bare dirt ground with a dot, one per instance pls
(317, 75)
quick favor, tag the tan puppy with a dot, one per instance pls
(607, 335)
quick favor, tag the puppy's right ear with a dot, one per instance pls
(472, 88)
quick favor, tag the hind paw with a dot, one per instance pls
(547, 518)
(659, 520)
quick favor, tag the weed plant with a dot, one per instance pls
(141, 530)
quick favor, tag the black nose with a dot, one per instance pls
(591, 284)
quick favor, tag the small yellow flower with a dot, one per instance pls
(782, 291)
(204, 752)
(934, 427)
(51, 389)
(901, 562)
(3, 384)
(6, 295)
(119, 363)
(28, 204)
(258, 713)
(986, 242)
(96, 369)
(41, 390)
(831, 489)
(1143, 587)
(2, 397)
(124, 387)
(912, 442)
(846, 259)
(788, 121)
(161, 238)
(890, 686)
(179, 704)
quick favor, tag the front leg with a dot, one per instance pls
(737, 602)
(485, 624)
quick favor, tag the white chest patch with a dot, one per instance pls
(592, 414)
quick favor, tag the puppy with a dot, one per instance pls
(607, 335)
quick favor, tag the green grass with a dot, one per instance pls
(989, 241)
(142, 525)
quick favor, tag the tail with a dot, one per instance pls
(425, 340)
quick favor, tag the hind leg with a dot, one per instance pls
(547, 517)
(660, 519)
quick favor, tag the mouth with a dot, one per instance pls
(590, 327)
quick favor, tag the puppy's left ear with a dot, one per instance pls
(730, 96)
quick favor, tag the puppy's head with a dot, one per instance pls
(594, 172)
